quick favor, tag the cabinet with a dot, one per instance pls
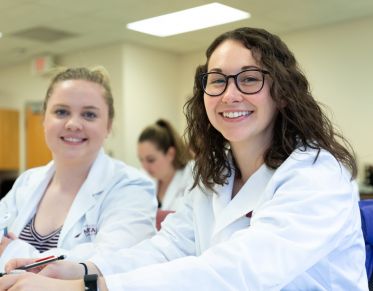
(9, 140)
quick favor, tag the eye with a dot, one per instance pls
(249, 77)
(89, 115)
(215, 79)
(61, 112)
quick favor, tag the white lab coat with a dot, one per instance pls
(173, 198)
(304, 234)
(114, 208)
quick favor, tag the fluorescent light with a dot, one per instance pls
(188, 20)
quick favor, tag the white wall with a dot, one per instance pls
(138, 77)
(338, 62)
(150, 92)
(186, 70)
(149, 84)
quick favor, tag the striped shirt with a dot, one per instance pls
(40, 242)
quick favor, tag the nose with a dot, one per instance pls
(231, 93)
(73, 124)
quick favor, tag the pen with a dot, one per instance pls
(37, 263)
(41, 262)
(6, 231)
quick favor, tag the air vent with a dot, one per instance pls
(43, 34)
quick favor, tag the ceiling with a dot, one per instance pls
(36, 27)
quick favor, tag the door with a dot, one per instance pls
(37, 152)
(9, 140)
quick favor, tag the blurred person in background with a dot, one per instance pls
(166, 157)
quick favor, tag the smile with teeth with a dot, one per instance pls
(73, 139)
(236, 114)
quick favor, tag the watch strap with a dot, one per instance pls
(90, 282)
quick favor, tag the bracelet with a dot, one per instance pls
(85, 269)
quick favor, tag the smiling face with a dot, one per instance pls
(76, 121)
(240, 118)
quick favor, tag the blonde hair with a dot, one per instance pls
(97, 75)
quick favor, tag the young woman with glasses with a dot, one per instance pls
(274, 205)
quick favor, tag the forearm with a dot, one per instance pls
(102, 284)
(92, 269)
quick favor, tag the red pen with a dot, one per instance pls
(41, 262)
(37, 263)
(46, 258)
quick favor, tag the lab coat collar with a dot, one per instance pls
(88, 193)
(227, 210)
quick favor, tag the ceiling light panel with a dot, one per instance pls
(189, 20)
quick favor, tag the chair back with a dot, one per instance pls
(366, 213)
(161, 215)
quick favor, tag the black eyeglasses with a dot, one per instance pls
(249, 81)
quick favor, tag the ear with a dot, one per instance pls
(171, 152)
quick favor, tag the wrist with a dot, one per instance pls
(85, 269)
(90, 282)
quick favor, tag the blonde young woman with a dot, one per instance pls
(82, 202)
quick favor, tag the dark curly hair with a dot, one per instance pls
(300, 123)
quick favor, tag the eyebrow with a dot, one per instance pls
(242, 68)
(84, 107)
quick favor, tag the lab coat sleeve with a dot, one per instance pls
(175, 240)
(9, 204)
(127, 216)
(311, 211)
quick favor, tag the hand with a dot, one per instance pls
(60, 270)
(33, 282)
(5, 241)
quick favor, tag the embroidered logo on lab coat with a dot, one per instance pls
(90, 230)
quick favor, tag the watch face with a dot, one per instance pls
(90, 282)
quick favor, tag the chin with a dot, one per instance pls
(235, 136)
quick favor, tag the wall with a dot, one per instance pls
(188, 65)
(138, 77)
(338, 62)
(149, 84)
(18, 86)
(150, 92)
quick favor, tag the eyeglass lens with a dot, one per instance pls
(249, 82)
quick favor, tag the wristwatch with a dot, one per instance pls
(90, 282)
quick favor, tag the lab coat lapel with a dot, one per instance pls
(86, 197)
(227, 211)
(37, 186)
